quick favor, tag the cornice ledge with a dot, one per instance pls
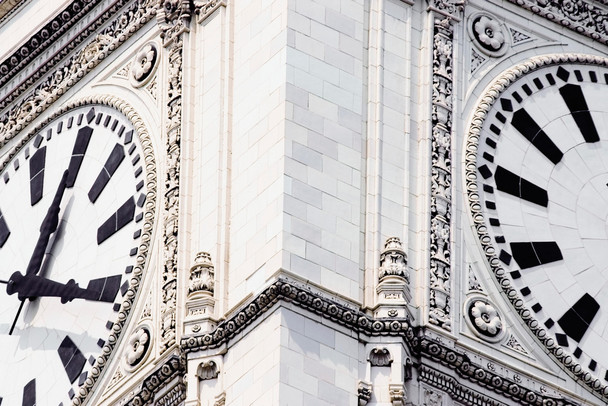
(39, 42)
(465, 368)
(64, 77)
(582, 17)
(316, 302)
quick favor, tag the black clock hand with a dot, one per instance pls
(48, 226)
(32, 286)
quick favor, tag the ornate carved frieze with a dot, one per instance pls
(172, 368)
(282, 289)
(466, 369)
(47, 35)
(364, 392)
(74, 69)
(580, 16)
(441, 176)
(451, 9)
(204, 8)
(171, 205)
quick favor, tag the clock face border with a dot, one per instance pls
(479, 219)
(147, 228)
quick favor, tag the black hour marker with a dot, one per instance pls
(512, 184)
(29, 394)
(531, 130)
(114, 160)
(575, 100)
(122, 217)
(4, 231)
(562, 339)
(577, 319)
(71, 357)
(104, 289)
(90, 115)
(80, 147)
(37, 163)
(530, 254)
(563, 74)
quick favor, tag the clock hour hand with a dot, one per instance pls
(48, 226)
(32, 286)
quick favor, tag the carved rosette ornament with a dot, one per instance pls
(488, 34)
(144, 65)
(484, 319)
(137, 347)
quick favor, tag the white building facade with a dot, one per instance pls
(304, 202)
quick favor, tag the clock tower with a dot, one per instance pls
(303, 202)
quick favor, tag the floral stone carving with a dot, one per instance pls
(202, 275)
(488, 34)
(484, 319)
(137, 347)
(200, 303)
(144, 65)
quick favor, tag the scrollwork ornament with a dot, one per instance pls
(144, 65)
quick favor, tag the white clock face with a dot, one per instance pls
(51, 331)
(542, 179)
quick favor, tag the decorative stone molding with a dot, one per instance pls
(518, 37)
(580, 372)
(474, 284)
(432, 398)
(204, 8)
(76, 67)
(476, 60)
(579, 16)
(174, 397)
(441, 172)
(397, 394)
(282, 289)
(515, 345)
(207, 370)
(364, 392)
(173, 17)
(380, 357)
(488, 34)
(173, 123)
(45, 37)
(451, 9)
(466, 369)
(137, 347)
(160, 378)
(148, 222)
(220, 400)
(144, 65)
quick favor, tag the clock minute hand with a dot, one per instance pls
(32, 286)
(48, 226)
